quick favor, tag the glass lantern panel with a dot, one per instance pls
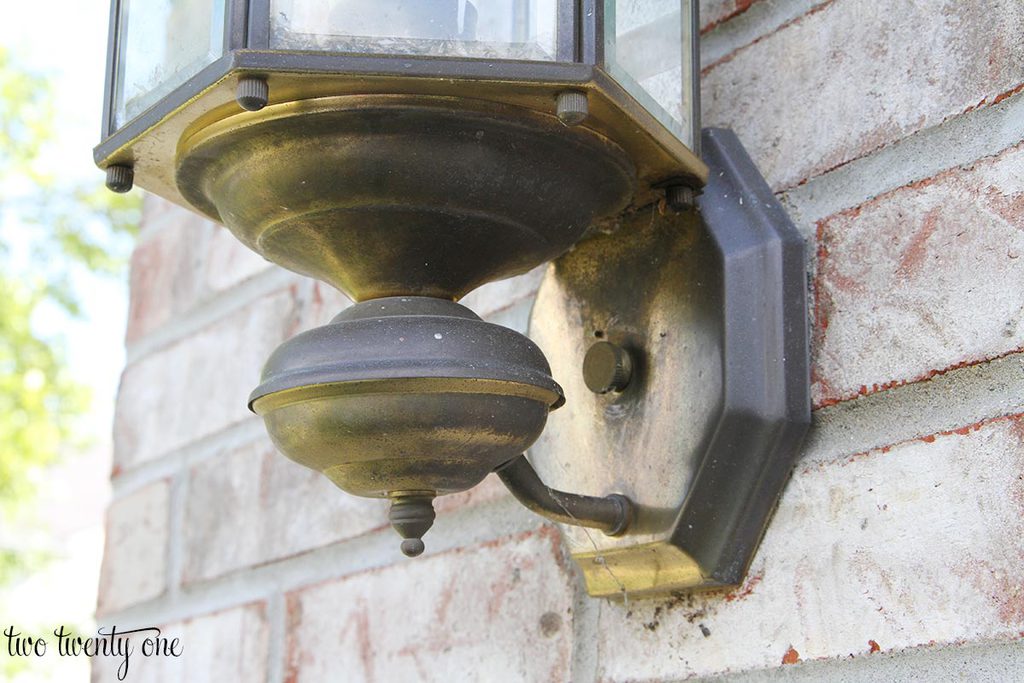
(490, 29)
(162, 44)
(648, 50)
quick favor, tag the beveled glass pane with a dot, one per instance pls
(649, 51)
(163, 43)
(495, 29)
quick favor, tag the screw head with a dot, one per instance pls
(120, 178)
(680, 197)
(573, 107)
(607, 368)
(252, 94)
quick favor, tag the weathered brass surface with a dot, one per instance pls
(650, 285)
(395, 195)
(406, 394)
(406, 398)
(638, 571)
(152, 152)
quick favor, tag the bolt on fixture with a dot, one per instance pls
(407, 153)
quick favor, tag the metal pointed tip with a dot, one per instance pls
(412, 547)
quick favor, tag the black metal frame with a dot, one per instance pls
(235, 37)
(247, 47)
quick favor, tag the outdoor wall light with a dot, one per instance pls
(409, 151)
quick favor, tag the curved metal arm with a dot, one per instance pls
(611, 514)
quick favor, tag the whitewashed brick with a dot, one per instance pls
(856, 75)
(324, 303)
(498, 612)
(714, 12)
(201, 384)
(920, 280)
(253, 506)
(921, 543)
(180, 264)
(135, 558)
(215, 648)
(227, 262)
(487, 491)
(495, 296)
(161, 278)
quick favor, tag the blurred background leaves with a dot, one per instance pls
(52, 232)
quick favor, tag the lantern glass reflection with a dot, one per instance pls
(496, 29)
(163, 44)
(650, 54)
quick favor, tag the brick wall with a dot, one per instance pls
(892, 132)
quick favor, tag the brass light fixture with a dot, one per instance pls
(409, 151)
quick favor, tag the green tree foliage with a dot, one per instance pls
(52, 231)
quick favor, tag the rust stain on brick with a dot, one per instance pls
(441, 613)
(1005, 592)
(503, 540)
(916, 251)
(791, 656)
(746, 590)
(1009, 207)
(1008, 94)
(499, 589)
(990, 101)
(363, 632)
(293, 325)
(923, 377)
(1016, 426)
(739, 7)
(293, 619)
(558, 550)
(873, 646)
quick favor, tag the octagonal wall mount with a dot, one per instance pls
(710, 310)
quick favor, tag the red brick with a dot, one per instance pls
(498, 612)
(855, 75)
(920, 280)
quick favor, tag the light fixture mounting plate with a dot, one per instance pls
(710, 306)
